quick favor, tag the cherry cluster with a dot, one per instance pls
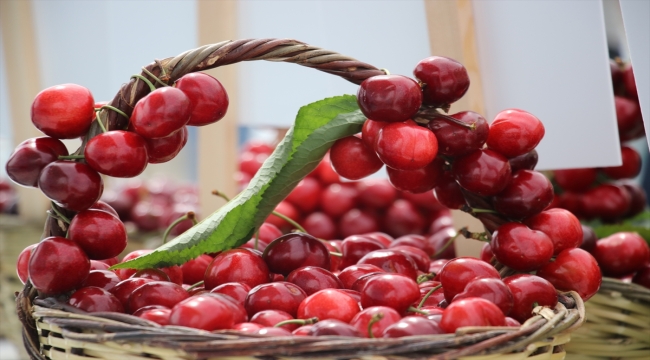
(329, 208)
(608, 194)
(156, 133)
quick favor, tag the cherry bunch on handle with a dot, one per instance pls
(484, 169)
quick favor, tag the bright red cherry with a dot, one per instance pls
(207, 96)
(370, 131)
(528, 193)
(471, 312)
(72, 185)
(104, 279)
(389, 98)
(320, 225)
(406, 146)
(285, 208)
(94, 299)
(237, 291)
(391, 261)
(352, 159)
(31, 156)
(383, 316)
(278, 295)
(413, 325)
(328, 304)
(518, 247)
(393, 290)
(159, 315)
(163, 293)
(22, 264)
(445, 80)
(57, 265)
(206, 312)
(573, 270)
(457, 273)
(313, 279)
(356, 221)
(270, 318)
(529, 291)
(161, 112)
(117, 153)
(419, 180)
(125, 288)
(515, 132)
(352, 273)
(99, 233)
(236, 265)
(620, 253)
(578, 180)
(561, 226)
(402, 218)
(631, 166)
(295, 250)
(305, 196)
(63, 111)
(161, 150)
(455, 140)
(493, 290)
(337, 199)
(194, 270)
(483, 172)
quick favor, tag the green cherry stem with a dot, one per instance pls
(448, 243)
(481, 236)
(140, 77)
(154, 77)
(99, 121)
(60, 214)
(301, 322)
(194, 286)
(257, 240)
(373, 320)
(424, 299)
(109, 107)
(190, 215)
(71, 157)
(416, 310)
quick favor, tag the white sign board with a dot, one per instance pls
(550, 58)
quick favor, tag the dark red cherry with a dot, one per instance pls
(278, 295)
(312, 279)
(561, 226)
(526, 161)
(74, 186)
(376, 193)
(406, 146)
(528, 193)
(620, 254)
(57, 265)
(161, 112)
(355, 247)
(30, 157)
(628, 114)
(515, 132)
(631, 166)
(104, 279)
(333, 327)
(94, 299)
(390, 98)
(152, 274)
(160, 150)
(529, 291)
(337, 199)
(63, 111)
(99, 233)
(402, 218)
(608, 202)
(320, 225)
(270, 318)
(295, 250)
(577, 180)
(207, 96)
(356, 221)
(352, 273)
(117, 153)
(156, 293)
(445, 80)
(413, 325)
(483, 172)
(352, 159)
(456, 140)
(448, 192)
(520, 248)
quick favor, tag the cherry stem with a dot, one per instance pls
(337, 254)
(385, 71)
(373, 320)
(109, 107)
(59, 214)
(424, 299)
(301, 322)
(194, 286)
(448, 243)
(190, 215)
(475, 211)
(154, 77)
(151, 87)
(416, 310)
(425, 277)
(220, 194)
(71, 157)
(434, 114)
(99, 121)
(481, 236)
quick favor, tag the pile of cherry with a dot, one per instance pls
(607, 193)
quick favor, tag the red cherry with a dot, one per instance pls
(333, 327)
(486, 252)
(126, 273)
(419, 180)
(483, 172)
(207, 96)
(382, 237)
(279, 295)
(161, 150)
(158, 315)
(439, 240)
(125, 288)
(628, 114)
(320, 225)
(325, 173)
(406, 146)
(391, 261)
(161, 112)
(446, 80)
(285, 208)
(518, 247)
(104, 279)
(250, 163)
(22, 264)
(608, 202)
(387, 317)
(631, 166)
(418, 256)
(529, 291)
(117, 153)
(471, 312)
(376, 193)
(413, 325)
(390, 98)
(455, 140)
(328, 304)
(351, 274)
(356, 221)
(269, 318)
(493, 290)
(63, 111)
(448, 192)
(352, 159)
(337, 199)
(235, 290)
(370, 131)
(620, 254)
(403, 218)
(416, 241)
(561, 226)
(528, 193)
(526, 161)
(30, 157)
(393, 290)
(457, 273)
(515, 132)
(194, 270)
(642, 276)
(100, 234)
(100, 205)
(573, 270)
(236, 265)
(94, 299)
(630, 82)
(206, 312)
(589, 239)
(57, 265)
(638, 196)
(295, 250)
(74, 186)
(153, 274)
(248, 327)
(163, 293)
(313, 279)
(355, 247)
(306, 195)
(578, 180)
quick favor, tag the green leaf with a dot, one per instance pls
(317, 127)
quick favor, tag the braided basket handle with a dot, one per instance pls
(231, 52)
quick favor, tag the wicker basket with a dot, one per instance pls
(53, 330)
(617, 324)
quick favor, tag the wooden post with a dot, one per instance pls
(452, 34)
(217, 150)
(23, 83)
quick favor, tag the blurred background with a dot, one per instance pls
(551, 58)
